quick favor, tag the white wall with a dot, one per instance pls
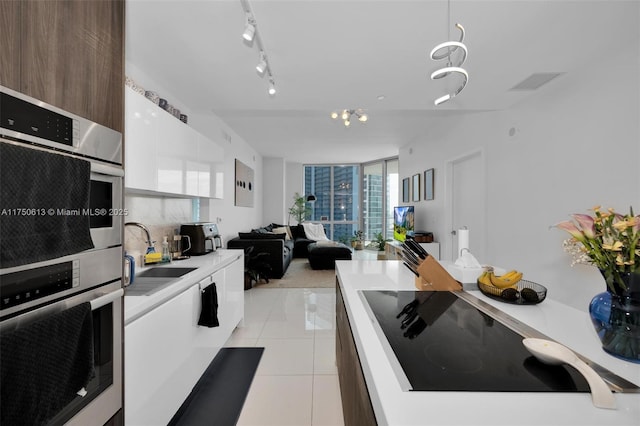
(275, 201)
(294, 183)
(576, 145)
(230, 219)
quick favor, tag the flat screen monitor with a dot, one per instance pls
(403, 224)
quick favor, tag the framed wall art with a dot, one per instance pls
(405, 190)
(244, 185)
(428, 184)
(416, 187)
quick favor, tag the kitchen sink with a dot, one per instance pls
(165, 272)
(146, 286)
(154, 279)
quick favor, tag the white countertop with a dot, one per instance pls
(138, 305)
(564, 324)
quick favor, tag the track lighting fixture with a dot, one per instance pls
(262, 65)
(346, 114)
(249, 29)
(455, 52)
(251, 33)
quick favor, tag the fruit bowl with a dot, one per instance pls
(524, 293)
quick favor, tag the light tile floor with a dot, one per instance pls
(297, 381)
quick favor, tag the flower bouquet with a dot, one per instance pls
(609, 241)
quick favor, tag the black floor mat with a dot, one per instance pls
(219, 395)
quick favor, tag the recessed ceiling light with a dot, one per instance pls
(381, 97)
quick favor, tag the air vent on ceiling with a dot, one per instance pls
(534, 81)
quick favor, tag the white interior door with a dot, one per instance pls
(467, 194)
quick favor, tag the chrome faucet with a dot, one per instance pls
(150, 247)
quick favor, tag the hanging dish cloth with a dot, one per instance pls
(44, 365)
(43, 198)
(209, 312)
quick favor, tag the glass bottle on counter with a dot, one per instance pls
(166, 256)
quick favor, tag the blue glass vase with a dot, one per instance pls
(616, 318)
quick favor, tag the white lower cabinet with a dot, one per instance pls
(166, 351)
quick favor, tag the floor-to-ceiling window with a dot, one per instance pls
(353, 197)
(337, 204)
(380, 195)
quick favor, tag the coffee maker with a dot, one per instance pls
(204, 237)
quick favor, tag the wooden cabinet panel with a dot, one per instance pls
(72, 57)
(356, 404)
(10, 44)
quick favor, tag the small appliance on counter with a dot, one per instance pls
(179, 245)
(204, 237)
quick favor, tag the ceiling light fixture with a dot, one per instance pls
(455, 52)
(251, 33)
(272, 87)
(346, 114)
(249, 29)
(262, 65)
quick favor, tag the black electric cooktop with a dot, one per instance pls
(443, 343)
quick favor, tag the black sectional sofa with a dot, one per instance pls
(280, 248)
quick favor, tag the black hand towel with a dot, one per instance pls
(43, 200)
(44, 364)
(209, 312)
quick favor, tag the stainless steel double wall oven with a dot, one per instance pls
(61, 220)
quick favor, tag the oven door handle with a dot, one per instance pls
(106, 299)
(105, 169)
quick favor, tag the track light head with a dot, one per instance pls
(345, 115)
(249, 32)
(363, 117)
(272, 87)
(249, 29)
(262, 65)
(334, 115)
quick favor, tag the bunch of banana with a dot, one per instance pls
(508, 280)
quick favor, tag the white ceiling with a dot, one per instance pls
(327, 55)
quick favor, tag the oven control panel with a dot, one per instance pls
(28, 285)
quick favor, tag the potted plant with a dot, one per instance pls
(354, 241)
(299, 210)
(255, 267)
(358, 237)
(381, 243)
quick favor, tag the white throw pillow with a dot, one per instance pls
(283, 230)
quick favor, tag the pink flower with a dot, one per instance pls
(572, 229)
(586, 223)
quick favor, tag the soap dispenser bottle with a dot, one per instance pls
(166, 256)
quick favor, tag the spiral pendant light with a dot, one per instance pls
(455, 52)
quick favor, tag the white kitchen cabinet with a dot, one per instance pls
(210, 176)
(166, 351)
(165, 155)
(141, 128)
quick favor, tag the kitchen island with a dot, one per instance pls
(392, 405)
(166, 351)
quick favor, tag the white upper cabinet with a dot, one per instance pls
(141, 129)
(166, 156)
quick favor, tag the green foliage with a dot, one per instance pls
(299, 210)
(380, 241)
